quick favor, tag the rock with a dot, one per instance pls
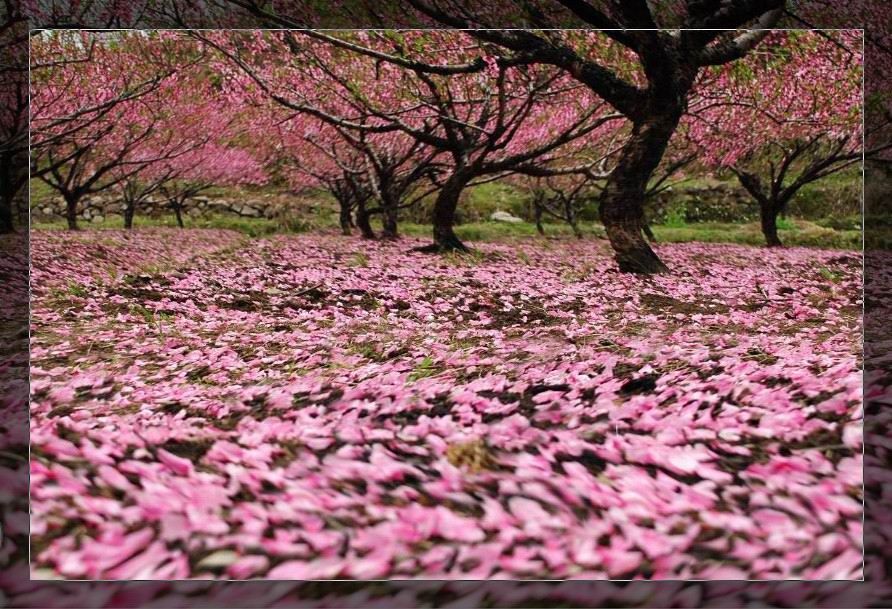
(251, 212)
(97, 218)
(218, 559)
(504, 216)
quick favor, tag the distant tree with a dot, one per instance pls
(483, 116)
(212, 164)
(644, 63)
(99, 103)
(784, 118)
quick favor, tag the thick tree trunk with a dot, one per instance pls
(71, 212)
(178, 212)
(344, 218)
(363, 224)
(768, 214)
(8, 190)
(622, 201)
(445, 239)
(129, 210)
(12, 179)
(6, 224)
(389, 228)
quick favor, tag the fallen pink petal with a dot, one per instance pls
(276, 453)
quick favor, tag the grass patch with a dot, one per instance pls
(799, 233)
(424, 369)
(793, 232)
(675, 217)
(359, 260)
(497, 231)
(253, 227)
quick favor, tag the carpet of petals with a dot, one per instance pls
(319, 407)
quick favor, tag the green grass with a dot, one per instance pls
(675, 217)
(799, 233)
(40, 191)
(792, 232)
(253, 227)
(484, 199)
(494, 231)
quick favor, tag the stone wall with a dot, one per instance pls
(101, 207)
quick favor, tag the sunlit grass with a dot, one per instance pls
(793, 232)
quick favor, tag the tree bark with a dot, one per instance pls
(9, 186)
(622, 202)
(6, 224)
(178, 212)
(129, 210)
(344, 218)
(571, 219)
(445, 239)
(71, 212)
(389, 228)
(363, 224)
(537, 214)
(648, 232)
(768, 213)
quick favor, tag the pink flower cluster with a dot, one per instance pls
(314, 407)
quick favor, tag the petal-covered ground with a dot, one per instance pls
(318, 407)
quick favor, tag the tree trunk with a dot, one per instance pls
(8, 189)
(445, 239)
(344, 218)
(538, 217)
(6, 225)
(537, 214)
(622, 201)
(71, 212)
(129, 210)
(362, 222)
(648, 232)
(178, 212)
(389, 228)
(571, 219)
(768, 214)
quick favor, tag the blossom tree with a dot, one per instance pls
(644, 63)
(355, 166)
(395, 168)
(784, 118)
(211, 148)
(209, 165)
(13, 111)
(100, 104)
(309, 155)
(502, 119)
